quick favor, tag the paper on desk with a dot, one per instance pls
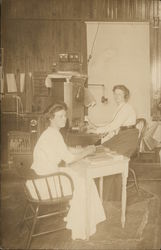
(103, 158)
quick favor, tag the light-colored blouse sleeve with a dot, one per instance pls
(126, 117)
(49, 151)
(65, 154)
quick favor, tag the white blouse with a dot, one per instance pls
(124, 116)
(50, 149)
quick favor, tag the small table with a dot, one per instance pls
(105, 167)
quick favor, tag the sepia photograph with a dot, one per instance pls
(80, 95)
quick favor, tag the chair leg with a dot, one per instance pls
(25, 212)
(32, 228)
(135, 180)
(21, 224)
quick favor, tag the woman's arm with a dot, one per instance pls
(83, 153)
(95, 126)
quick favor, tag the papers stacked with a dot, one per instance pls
(104, 157)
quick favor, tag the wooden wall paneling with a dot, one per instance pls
(63, 36)
(54, 45)
(112, 10)
(27, 39)
(135, 9)
(36, 34)
(57, 9)
(67, 9)
(102, 9)
(155, 8)
(147, 10)
(151, 9)
(95, 14)
(83, 48)
(10, 46)
(77, 36)
(119, 8)
(123, 10)
(40, 46)
(128, 10)
(139, 10)
(77, 9)
(69, 34)
(91, 12)
(3, 32)
(142, 10)
(14, 47)
(131, 9)
(86, 9)
(28, 92)
(29, 9)
(108, 8)
(116, 9)
(42, 9)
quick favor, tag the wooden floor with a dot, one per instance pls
(12, 206)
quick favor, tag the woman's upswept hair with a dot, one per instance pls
(124, 89)
(50, 112)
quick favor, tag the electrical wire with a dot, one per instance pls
(90, 55)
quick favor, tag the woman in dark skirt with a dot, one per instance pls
(119, 135)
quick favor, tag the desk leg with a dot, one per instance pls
(101, 188)
(124, 182)
(88, 185)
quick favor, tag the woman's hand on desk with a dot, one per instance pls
(75, 150)
(83, 153)
(78, 149)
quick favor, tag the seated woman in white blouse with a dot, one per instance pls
(120, 134)
(49, 151)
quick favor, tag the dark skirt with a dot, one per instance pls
(125, 143)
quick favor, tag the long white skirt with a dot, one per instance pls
(77, 215)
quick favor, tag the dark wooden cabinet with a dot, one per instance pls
(33, 123)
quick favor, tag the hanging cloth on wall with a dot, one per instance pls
(11, 82)
(2, 80)
(48, 82)
(22, 82)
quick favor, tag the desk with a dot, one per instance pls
(105, 168)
